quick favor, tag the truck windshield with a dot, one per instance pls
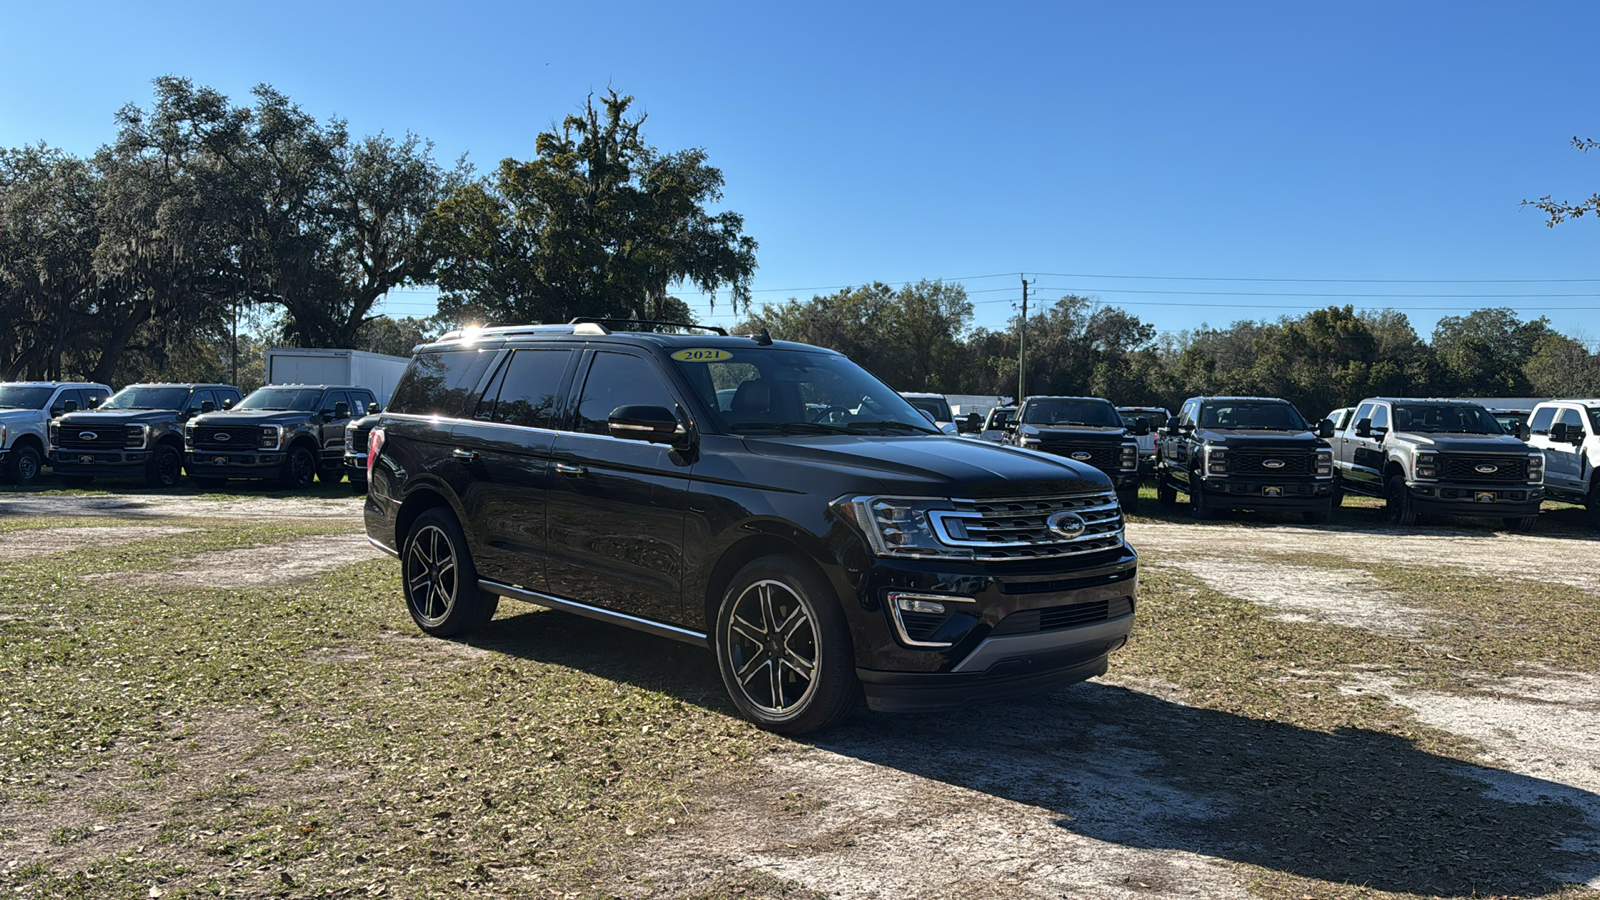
(1065, 411)
(299, 399)
(21, 396)
(1439, 417)
(139, 396)
(768, 389)
(1252, 416)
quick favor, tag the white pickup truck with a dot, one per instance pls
(1568, 433)
(26, 408)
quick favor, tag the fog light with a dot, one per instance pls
(919, 605)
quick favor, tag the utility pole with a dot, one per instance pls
(1022, 346)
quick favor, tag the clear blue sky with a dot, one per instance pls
(1366, 141)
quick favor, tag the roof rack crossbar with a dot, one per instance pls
(606, 322)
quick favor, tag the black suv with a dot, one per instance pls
(769, 500)
(1254, 453)
(293, 433)
(1087, 429)
(137, 431)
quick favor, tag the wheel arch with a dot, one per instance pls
(413, 506)
(28, 439)
(742, 554)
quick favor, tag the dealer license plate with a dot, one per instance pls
(1272, 492)
(86, 458)
(219, 460)
(1483, 496)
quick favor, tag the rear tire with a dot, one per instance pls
(783, 648)
(165, 469)
(1521, 524)
(299, 469)
(1397, 502)
(23, 465)
(439, 581)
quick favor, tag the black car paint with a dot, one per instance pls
(165, 428)
(314, 429)
(1179, 464)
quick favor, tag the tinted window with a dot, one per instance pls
(799, 391)
(933, 406)
(200, 397)
(440, 383)
(1187, 414)
(528, 389)
(1380, 417)
(1570, 418)
(618, 379)
(288, 398)
(15, 396)
(331, 402)
(140, 396)
(360, 400)
(92, 397)
(1256, 415)
(1542, 419)
(1460, 419)
(1070, 412)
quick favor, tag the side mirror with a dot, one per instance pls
(1558, 434)
(207, 406)
(227, 403)
(654, 424)
(1325, 428)
(71, 406)
(341, 410)
(373, 409)
(1141, 426)
(1011, 426)
(1522, 432)
(1364, 428)
(1173, 425)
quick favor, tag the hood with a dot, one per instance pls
(253, 417)
(1461, 443)
(105, 417)
(1260, 440)
(12, 415)
(1092, 434)
(937, 466)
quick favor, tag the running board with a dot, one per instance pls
(648, 626)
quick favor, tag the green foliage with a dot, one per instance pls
(599, 223)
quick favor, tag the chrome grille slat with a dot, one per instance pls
(1463, 467)
(1015, 527)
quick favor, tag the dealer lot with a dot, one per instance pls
(1344, 710)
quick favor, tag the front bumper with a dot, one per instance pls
(233, 464)
(1268, 495)
(1512, 501)
(355, 466)
(97, 462)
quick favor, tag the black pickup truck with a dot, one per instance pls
(137, 431)
(1246, 453)
(292, 433)
(1084, 429)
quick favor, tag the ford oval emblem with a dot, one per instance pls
(1486, 469)
(1067, 524)
(1272, 463)
(1082, 455)
(87, 436)
(220, 436)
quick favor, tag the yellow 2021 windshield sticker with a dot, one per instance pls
(702, 355)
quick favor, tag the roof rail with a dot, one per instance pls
(511, 330)
(607, 323)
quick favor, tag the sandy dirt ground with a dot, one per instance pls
(17, 545)
(143, 506)
(251, 567)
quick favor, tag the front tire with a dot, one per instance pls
(1199, 506)
(1397, 505)
(1521, 524)
(23, 465)
(1166, 494)
(1129, 499)
(783, 648)
(439, 581)
(299, 469)
(165, 469)
(1317, 516)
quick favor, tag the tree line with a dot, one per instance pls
(920, 337)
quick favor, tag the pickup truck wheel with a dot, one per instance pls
(1318, 516)
(22, 467)
(1397, 502)
(783, 648)
(1521, 523)
(1338, 492)
(1199, 507)
(1129, 499)
(299, 469)
(1166, 494)
(1594, 503)
(165, 468)
(438, 578)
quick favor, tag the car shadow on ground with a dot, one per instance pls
(1126, 767)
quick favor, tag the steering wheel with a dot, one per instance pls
(831, 415)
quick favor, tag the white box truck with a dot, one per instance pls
(374, 371)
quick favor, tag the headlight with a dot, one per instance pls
(1130, 456)
(1216, 461)
(1324, 462)
(1536, 467)
(1427, 465)
(2, 435)
(55, 435)
(271, 437)
(900, 526)
(1028, 436)
(135, 437)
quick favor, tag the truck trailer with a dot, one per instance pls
(376, 372)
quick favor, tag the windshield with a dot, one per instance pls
(301, 399)
(1256, 415)
(138, 396)
(933, 406)
(762, 389)
(17, 396)
(1438, 417)
(1064, 411)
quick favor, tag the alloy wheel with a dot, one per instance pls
(771, 641)
(432, 584)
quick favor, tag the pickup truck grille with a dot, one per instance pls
(240, 437)
(1453, 467)
(1254, 462)
(1105, 457)
(1019, 528)
(355, 441)
(93, 437)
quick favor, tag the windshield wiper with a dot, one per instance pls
(795, 427)
(891, 425)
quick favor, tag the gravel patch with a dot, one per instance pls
(1347, 597)
(253, 567)
(17, 545)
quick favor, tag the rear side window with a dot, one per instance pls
(1570, 418)
(527, 390)
(618, 379)
(440, 383)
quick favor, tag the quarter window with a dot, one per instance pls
(618, 379)
(440, 384)
(528, 389)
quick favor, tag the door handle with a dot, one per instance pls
(463, 455)
(565, 469)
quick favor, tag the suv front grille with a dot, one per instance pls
(93, 437)
(1455, 467)
(1019, 528)
(1105, 457)
(240, 437)
(1254, 462)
